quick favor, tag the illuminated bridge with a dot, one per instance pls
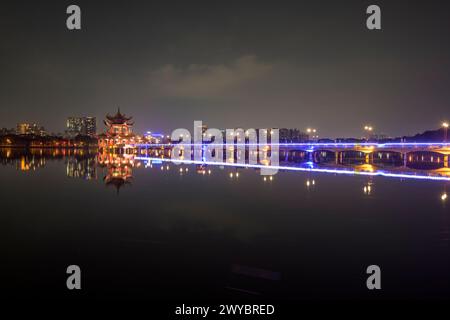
(437, 152)
(372, 152)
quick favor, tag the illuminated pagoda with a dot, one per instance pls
(119, 136)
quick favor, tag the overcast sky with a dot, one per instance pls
(231, 64)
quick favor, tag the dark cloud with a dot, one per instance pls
(209, 81)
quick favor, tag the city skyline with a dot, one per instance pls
(87, 125)
(231, 65)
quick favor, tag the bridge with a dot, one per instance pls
(405, 152)
(433, 152)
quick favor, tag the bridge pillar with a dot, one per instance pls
(405, 159)
(316, 157)
(446, 164)
(336, 157)
(369, 158)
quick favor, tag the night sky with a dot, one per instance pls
(228, 63)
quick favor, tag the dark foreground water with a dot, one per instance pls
(216, 232)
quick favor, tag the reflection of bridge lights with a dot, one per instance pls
(444, 196)
(380, 173)
(232, 175)
(310, 183)
(367, 189)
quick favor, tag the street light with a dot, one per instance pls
(369, 129)
(445, 126)
(313, 131)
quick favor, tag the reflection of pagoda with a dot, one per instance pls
(119, 135)
(119, 169)
(118, 176)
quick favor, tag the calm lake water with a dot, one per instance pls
(165, 231)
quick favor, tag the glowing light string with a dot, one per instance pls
(288, 168)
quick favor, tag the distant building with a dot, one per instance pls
(292, 135)
(378, 137)
(74, 126)
(23, 128)
(30, 129)
(81, 126)
(6, 131)
(90, 125)
(150, 137)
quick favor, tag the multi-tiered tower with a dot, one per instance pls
(119, 135)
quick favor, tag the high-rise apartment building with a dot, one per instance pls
(81, 126)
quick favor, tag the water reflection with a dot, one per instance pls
(81, 167)
(368, 188)
(259, 227)
(117, 169)
(80, 162)
(310, 183)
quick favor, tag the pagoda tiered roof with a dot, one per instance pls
(118, 118)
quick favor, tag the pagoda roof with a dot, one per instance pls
(118, 118)
(117, 182)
